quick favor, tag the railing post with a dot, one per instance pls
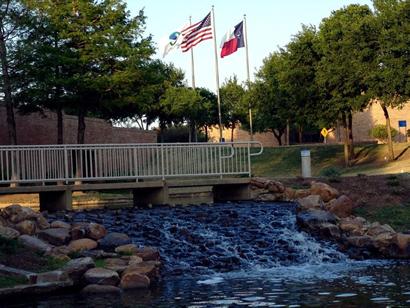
(220, 161)
(65, 164)
(249, 159)
(162, 162)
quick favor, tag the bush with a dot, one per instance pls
(332, 173)
(380, 132)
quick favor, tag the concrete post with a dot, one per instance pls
(306, 164)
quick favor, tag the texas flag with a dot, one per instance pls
(232, 40)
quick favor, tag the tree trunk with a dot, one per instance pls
(287, 133)
(81, 125)
(8, 100)
(232, 131)
(300, 134)
(206, 133)
(345, 141)
(350, 132)
(388, 128)
(60, 130)
(278, 135)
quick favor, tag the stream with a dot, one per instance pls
(245, 254)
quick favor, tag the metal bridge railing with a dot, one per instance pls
(69, 163)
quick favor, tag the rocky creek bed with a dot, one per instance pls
(237, 253)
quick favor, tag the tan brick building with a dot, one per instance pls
(362, 124)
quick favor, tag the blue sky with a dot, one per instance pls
(271, 24)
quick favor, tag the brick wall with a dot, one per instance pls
(42, 129)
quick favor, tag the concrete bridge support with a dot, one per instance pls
(54, 201)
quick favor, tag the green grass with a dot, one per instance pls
(8, 282)
(285, 162)
(397, 216)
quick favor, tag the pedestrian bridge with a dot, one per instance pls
(163, 173)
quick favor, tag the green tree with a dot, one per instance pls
(233, 105)
(270, 101)
(390, 78)
(107, 49)
(297, 79)
(348, 45)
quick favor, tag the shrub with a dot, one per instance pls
(380, 132)
(332, 173)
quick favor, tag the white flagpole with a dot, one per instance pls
(192, 60)
(217, 74)
(248, 73)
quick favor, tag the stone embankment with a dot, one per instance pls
(96, 261)
(322, 211)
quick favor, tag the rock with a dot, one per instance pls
(148, 268)
(376, 228)
(100, 289)
(259, 182)
(42, 223)
(134, 280)
(128, 249)
(352, 226)
(60, 253)
(275, 187)
(60, 224)
(134, 260)
(82, 244)
(310, 202)
(101, 276)
(55, 236)
(53, 276)
(301, 193)
(116, 264)
(289, 193)
(329, 230)
(148, 253)
(76, 268)
(96, 231)
(402, 241)
(341, 207)
(383, 240)
(114, 239)
(17, 213)
(26, 227)
(78, 231)
(325, 191)
(35, 243)
(9, 233)
(267, 197)
(98, 254)
(312, 219)
(364, 241)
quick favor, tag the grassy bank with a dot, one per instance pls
(370, 159)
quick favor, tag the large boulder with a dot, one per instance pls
(275, 187)
(79, 230)
(312, 202)
(76, 268)
(113, 240)
(376, 228)
(53, 276)
(100, 289)
(301, 193)
(26, 227)
(148, 253)
(82, 244)
(55, 236)
(101, 276)
(313, 219)
(42, 223)
(35, 243)
(60, 224)
(116, 264)
(364, 241)
(9, 233)
(259, 182)
(96, 231)
(325, 191)
(128, 249)
(134, 280)
(341, 207)
(148, 268)
(353, 226)
(16, 213)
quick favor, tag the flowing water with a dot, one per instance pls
(241, 254)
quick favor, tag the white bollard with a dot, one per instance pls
(306, 165)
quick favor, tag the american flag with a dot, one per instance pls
(196, 33)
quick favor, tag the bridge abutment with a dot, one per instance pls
(54, 201)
